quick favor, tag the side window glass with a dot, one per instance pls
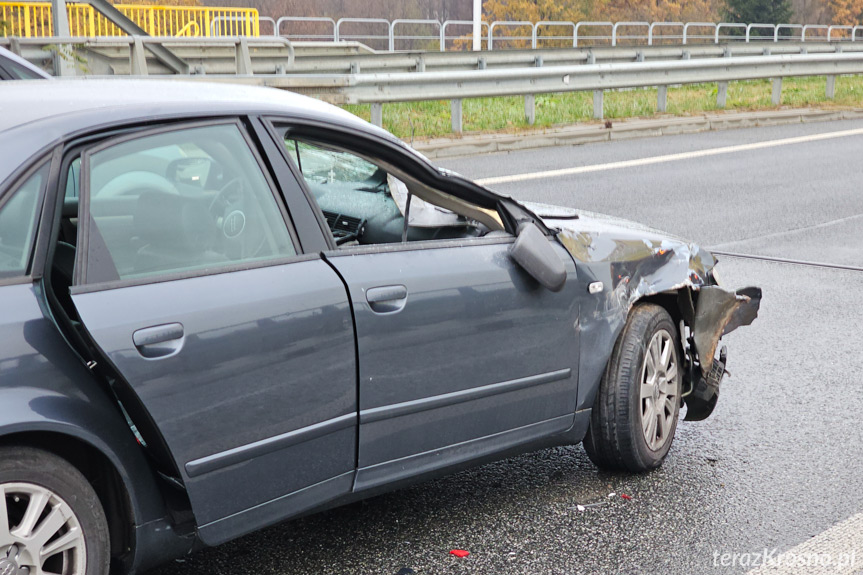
(18, 224)
(179, 201)
(72, 179)
(363, 204)
(19, 72)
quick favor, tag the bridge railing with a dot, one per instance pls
(33, 20)
(395, 35)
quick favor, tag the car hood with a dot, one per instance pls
(592, 238)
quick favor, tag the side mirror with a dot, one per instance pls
(533, 252)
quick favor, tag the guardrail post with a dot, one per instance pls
(597, 105)
(421, 64)
(244, 59)
(378, 115)
(662, 99)
(721, 94)
(138, 57)
(831, 87)
(355, 67)
(530, 108)
(777, 91)
(455, 115)
(15, 45)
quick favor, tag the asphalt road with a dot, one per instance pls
(781, 459)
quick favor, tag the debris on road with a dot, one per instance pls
(459, 552)
(625, 496)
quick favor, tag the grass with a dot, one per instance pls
(432, 119)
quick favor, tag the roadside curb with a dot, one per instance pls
(578, 134)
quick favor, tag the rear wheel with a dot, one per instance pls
(635, 413)
(51, 520)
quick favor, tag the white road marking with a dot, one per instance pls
(668, 158)
(837, 551)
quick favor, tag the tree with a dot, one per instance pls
(657, 10)
(758, 11)
(849, 12)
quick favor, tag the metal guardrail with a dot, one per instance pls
(274, 55)
(240, 60)
(33, 19)
(379, 89)
(133, 55)
(536, 34)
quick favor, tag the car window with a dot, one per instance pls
(18, 72)
(189, 199)
(18, 224)
(72, 179)
(364, 204)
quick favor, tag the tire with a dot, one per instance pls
(616, 439)
(31, 479)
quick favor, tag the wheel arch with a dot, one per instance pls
(89, 432)
(101, 472)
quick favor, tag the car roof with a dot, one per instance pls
(12, 57)
(34, 114)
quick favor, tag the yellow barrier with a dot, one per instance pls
(33, 19)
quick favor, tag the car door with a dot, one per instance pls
(240, 348)
(461, 353)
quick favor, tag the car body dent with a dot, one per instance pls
(634, 262)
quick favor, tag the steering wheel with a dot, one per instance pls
(233, 217)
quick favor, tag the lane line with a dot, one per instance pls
(837, 551)
(786, 261)
(668, 158)
(789, 232)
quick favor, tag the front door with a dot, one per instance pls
(461, 353)
(241, 350)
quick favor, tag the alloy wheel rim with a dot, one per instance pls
(659, 390)
(39, 533)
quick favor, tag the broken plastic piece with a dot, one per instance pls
(625, 496)
(612, 494)
(580, 507)
(459, 552)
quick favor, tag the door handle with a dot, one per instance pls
(160, 340)
(387, 299)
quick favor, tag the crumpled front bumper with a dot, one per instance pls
(712, 312)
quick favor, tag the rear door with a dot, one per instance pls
(191, 282)
(462, 354)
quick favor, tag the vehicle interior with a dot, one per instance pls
(366, 202)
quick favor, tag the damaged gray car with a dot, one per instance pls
(222, 307)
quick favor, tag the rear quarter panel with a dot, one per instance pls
(44, 387)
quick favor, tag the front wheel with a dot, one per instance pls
(51, 520)
(635, 413)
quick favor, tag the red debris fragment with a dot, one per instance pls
(625, 496)
(459, 552)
